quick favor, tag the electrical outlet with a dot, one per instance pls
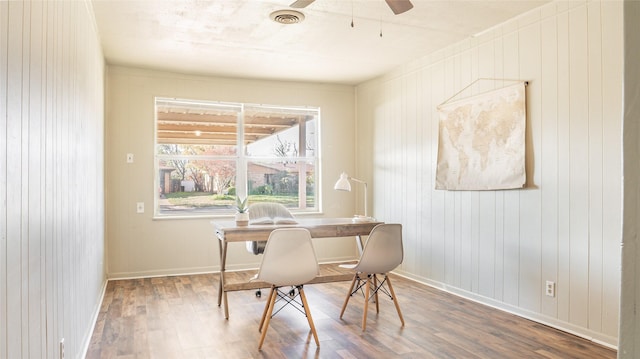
(550, 289)
(129, 157)
(62, 348)
(140, 207)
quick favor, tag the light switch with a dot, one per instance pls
(129, 157)
(140, 207)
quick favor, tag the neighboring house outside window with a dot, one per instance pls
(207, 153)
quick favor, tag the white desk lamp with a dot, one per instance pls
(343, 184)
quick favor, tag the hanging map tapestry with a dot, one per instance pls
(481, 142)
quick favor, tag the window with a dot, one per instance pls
(207, 153)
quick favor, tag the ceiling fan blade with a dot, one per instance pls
(299, 4)
(397, 6)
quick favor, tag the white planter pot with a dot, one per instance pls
(242, 219)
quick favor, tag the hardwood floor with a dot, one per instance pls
(178, 317)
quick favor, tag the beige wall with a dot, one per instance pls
(137, 244)
(499, 247)
(52, 270)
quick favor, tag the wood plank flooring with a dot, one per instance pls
(178, 317)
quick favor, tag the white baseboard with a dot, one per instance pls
(96, 312)
(204, 270)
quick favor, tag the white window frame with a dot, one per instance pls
(241, 159)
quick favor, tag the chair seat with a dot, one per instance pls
(348, 266)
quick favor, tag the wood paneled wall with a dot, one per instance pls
(499, 247)
(51, 178)
(629, 343)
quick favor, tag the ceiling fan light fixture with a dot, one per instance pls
(301, 3)
(287, 17)
(399, 6)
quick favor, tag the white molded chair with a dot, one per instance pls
(289, 260)
(382, 253)
(265, 210)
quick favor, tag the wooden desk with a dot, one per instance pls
(228, 232)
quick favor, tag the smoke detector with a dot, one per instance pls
(287, 17)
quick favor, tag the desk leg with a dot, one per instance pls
(222, 293)
(359, 244)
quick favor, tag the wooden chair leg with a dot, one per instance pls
(366, 302)
(308, 314)
(266, 307)
(346, 300)
(272, 303)
(395, 300)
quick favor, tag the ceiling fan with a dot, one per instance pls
(397, 6)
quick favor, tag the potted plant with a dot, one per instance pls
(242, 214)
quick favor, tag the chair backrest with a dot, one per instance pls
(265, 210)
(383, 250)
(289, 258)
(268, 209)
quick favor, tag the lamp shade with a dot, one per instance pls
(343, 183)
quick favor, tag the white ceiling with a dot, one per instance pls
(236, 38)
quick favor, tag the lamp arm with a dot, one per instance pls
(365, 194)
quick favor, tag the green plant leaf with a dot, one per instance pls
(241, 204)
